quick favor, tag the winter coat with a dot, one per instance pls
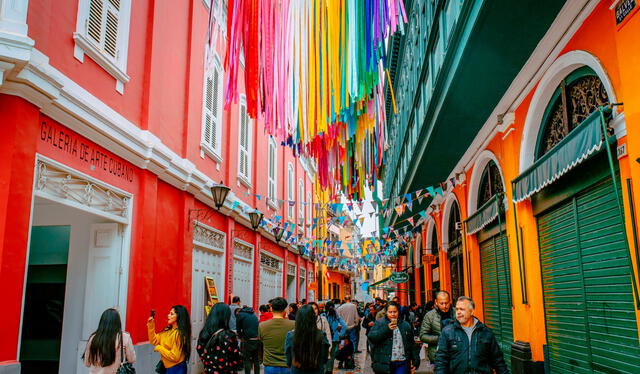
(430, 331)
(247, 323)
(381, 339)
(455, 354)
(334, 322)
(220, 353)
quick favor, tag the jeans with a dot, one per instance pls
(250, 351)
(353, 336)
(276, 370)
(399, 367)
(181, 368)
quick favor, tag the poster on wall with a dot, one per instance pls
(210, 294)
(436, 274)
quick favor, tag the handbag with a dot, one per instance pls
(125, 367)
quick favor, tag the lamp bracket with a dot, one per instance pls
(199, 215)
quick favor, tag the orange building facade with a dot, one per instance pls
(541, 245)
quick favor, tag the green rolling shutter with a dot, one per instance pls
(589, 310)
(496, 291)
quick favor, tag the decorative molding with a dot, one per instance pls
(242, 251)
(270, 262)
(291, 269)
(107, 63)
(75, 189)
(476, 178)
(208, 237)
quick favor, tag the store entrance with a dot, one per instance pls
(74, 273)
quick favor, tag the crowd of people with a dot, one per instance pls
(309, 338)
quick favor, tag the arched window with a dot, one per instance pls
(577, 96)
(455, 236)
(490, 183)
(435, 268)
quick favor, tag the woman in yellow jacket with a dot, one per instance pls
(173, 343)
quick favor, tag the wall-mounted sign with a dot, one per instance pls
(399, 277)
(429, 259)
(435, 273)
(623, 9)
(210, 294)
(621, 150)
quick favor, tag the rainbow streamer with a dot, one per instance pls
(315, 73)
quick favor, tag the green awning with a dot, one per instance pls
(576, 147)
(485, 214)
(378, 282)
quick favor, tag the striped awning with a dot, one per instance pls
(576, 147)
(485, 214)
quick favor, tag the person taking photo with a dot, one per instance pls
(173, 343)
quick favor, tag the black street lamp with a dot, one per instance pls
(278, 232)
(219, 193)
(256, 218)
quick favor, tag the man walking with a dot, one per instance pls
(272, 334)
(467, 345)
(235, 305)
(434, 321)
(247, 324)
(349, 314)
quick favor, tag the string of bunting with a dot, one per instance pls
(314, 73)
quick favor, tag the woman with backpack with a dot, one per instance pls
(218, 346)
(306, 347)
(338, 329)
(108, 347)
(173, 343)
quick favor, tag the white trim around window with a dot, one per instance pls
(272, 183)
(211, 137)
(102, 33)
(245, 146)
(291, 195)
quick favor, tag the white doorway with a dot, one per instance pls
(88, 260)
(207, 280)
(291, 283)
(243, 272)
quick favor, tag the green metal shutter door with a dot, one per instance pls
(496, 294)
(610, 310)
(589, 312)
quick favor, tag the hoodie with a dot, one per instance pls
(247, 323)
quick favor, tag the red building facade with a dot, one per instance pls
(114, 132)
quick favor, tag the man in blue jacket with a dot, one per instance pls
(467, 345)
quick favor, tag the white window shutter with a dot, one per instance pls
(111, 32)
(94, 20)
(215, 110)
(244, 142)
(209, 119)
(272, 170)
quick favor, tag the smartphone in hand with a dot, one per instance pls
(153, 313)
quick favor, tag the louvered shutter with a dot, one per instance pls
(111, 29)
(244, 142)
(94, 22)
(208, 113)
(215, 110)
(102, 25)
(272, 171)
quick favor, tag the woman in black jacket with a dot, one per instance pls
(393, 350)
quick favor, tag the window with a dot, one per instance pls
(309, 213)
(244, 149)
(301, 204)
(290, 194)
(273, 158)
(212, 111)
(102, 32)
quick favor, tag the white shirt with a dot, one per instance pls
(397, 349)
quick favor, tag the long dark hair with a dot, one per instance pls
(217, 319)
(331, 310)
(307, 340)
(102, 351)
(184, 329)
